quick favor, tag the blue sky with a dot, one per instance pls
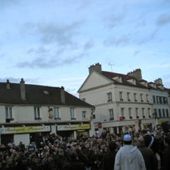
(54, 42)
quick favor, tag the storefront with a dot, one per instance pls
(73, 130)
(17, 134)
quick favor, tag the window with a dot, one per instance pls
(121, 96)
(37, 113)
(111, 114)
(122, 117)
(122, 112)
(83, 114)
(141, 97)
(130, 112)
(157, 99)
(160, 113)
(137, 114)
(167, 113)
(155, 113)
(109, 97)
(149, 112)
(56, 113)
(72, 114)
(147, 98)
(154, 100)
(160, 100)
(143, 112)
(165, 100)
(8, 113)
(163, 112)
(128, 96)
(135, 99)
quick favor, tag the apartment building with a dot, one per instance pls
(29, 110)
(124, 101)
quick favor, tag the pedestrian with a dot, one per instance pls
(148, 155)
(166, 154)
(109, 156)
(128, 156)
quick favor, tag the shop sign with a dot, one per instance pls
(25, 129)
(73, 127)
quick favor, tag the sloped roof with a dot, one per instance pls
(125, 79)
(37, 94)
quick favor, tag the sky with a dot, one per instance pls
(54, 42)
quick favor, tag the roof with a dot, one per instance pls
(38, 95)
(125, 79)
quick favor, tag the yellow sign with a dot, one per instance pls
(25, 129)
(73, 127)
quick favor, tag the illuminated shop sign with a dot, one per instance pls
(73, 127)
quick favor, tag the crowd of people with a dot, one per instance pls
(151, 150)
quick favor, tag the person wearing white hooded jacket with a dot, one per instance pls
(128, 156)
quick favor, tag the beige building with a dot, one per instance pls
(124, 101)
(29, 110)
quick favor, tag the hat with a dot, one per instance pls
(127, 138)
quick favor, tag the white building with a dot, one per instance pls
(122, 101)
(27, 110)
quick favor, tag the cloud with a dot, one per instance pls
(40, 62)
(88, 45)
(117, 41)
(163, 19)
(7, 3)
(136, 52)
(114, 20)
(52, 33)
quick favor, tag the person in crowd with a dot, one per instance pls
(148, 155)
(109, 156)
(153, 143)
(166, 154)
(128, 156)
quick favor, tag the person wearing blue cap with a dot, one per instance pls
(128, 156)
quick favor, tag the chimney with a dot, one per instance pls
(8, 85)
(97, 67)
(158, 81)
(62, 94)
(22, 89)
(136, 74)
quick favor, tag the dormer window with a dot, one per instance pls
(132, 81)
(143, 83)
(117, 79)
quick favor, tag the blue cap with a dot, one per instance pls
(127, 138)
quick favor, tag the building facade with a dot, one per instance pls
(124, 101)
(29, 110)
